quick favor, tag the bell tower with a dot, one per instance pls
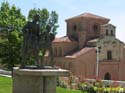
(76, 29)
(108, 30)
(85, 27)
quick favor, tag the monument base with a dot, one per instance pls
(36, 80)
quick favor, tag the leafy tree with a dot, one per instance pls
(11, 22)
(45, 18)
(48, 20)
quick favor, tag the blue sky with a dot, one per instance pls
(113, 9)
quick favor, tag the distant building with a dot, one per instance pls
(77, 50)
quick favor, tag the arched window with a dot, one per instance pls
(95, 28)
(112, 33)
(74, 27)
(109, 55)
(107, 76)
(60, 51)
(106, 32)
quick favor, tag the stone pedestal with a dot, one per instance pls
(36, 80)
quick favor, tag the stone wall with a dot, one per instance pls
(110, 44)
(85, 65)
(109, 67)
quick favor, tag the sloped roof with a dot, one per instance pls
(89, 15)
(80, 52)
(63, 39)
(108, 25)
(75, 54)
(120, 41)
(93, 40)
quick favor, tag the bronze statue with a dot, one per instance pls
(36, 40)
(47, 37)
(30, 45)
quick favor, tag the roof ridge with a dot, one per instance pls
(90, 15)
(64, 39)
(79, 53)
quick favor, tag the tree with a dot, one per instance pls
(11, 22)
(48, 21)
(46, 18)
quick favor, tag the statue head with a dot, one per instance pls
(36, 18)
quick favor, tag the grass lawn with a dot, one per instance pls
(6, 87)
(62, 90)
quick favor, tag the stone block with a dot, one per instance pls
(36, 80)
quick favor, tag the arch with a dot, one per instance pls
(55, 52)
(74, 27)
(95, 28)
(112, 33)
(109, 55)
(107, 32)
(60, 51)
(107, 76)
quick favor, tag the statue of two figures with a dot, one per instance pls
(36, 43)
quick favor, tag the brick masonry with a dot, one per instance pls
(76, 51)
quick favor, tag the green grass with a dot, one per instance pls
(62, 90)
(6, 87)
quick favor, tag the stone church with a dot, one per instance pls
(90, 48)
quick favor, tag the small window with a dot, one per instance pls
(107, 76)
(74, 28)
(112, 32)
(55, 51)
(95, 28)
(109, 55)
(107, 32)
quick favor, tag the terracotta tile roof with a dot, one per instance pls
(80, 52)
(63, 39)
(89, 15)
(76, 54)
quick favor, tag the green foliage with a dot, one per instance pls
(11, 22)
(45, 18)
(63, 90)
(62, 84)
